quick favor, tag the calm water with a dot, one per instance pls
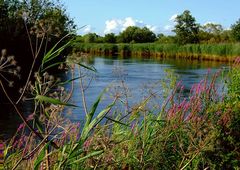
(140, 77)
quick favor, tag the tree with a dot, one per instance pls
(186, 28)
(40, 23)
(212, 28)
(110, 38)
(163, 39)
(137, 35)
(92, 38)
(236, 31)
(210, 33)
(39, 17)
(127, 35)
(142, 35)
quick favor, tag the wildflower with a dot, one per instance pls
(87, 144)
(30, 117)
(21, 126)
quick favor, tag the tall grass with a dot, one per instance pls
(223, 52)
(200, 131)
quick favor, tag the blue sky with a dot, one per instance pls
(105, 16)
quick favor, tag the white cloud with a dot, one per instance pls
(118, 25)
(173, 17)
(154, 29)
(168, 27)
(87, 29)
(209, 22)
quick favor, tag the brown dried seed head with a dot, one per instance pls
(4, 52)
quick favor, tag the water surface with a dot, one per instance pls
(140, 77)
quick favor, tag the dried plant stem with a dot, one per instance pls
(28, 79)
(35, 56)
(83, 92)
(29, 39)
(24, 119)
(33, 151)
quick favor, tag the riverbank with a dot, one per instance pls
(212, 52)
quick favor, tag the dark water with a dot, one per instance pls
(140, 77)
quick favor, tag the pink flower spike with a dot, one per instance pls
(21, 126)
(30, 117)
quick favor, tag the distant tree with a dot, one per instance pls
(142, 35)
(127, 35)
(110, 38)
(165, 39)
(137, 35)
(79, 39)
(210, 33)
(212, 28)
(186, 28)
(226, 36)
(90, 38)
(236, 31)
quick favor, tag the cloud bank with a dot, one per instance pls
(87, 29)
(173, 17)
(118, 25)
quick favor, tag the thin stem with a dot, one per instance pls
(83, 92)
(45, 49)
(28, 79)
(40, 47)
(24, 119)
(29, 39)
(33, 64)
(33, 151)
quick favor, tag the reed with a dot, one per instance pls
(216, 52)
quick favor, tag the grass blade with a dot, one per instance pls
(87, 156)
(52, 100)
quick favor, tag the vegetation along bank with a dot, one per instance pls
(215, 52)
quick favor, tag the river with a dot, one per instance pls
(137, 76)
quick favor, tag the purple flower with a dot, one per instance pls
(21, 126)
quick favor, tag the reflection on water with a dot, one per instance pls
(140, 76)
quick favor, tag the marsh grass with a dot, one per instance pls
(215, 52)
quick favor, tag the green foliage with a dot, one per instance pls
(90, 38)
(234, 81)
(186, 28)
(137, 35)
(40, 16)
(198, 132)
(35, 26)
(212, 28)
(209, 51)
(236, 31)
(110, 38)
(163, 39)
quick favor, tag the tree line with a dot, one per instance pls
(29, 28)
(187, 31)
